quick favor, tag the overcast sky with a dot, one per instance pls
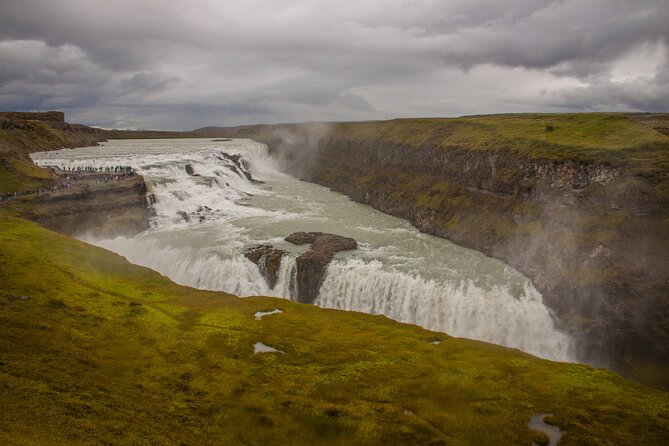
(186, 64)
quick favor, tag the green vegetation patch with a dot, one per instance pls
(593, 137)
(17, 171)
(19, 174)
(95, 350)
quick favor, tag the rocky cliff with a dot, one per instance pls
(311, 265)
(104, 209)
(107, 206)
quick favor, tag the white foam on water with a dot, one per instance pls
(459, 309)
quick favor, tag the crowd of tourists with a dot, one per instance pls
(101, 169)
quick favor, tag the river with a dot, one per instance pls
(205, 220)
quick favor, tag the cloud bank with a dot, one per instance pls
(182, 65)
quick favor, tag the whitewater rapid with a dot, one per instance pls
(209, 213)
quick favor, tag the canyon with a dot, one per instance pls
(580, 209)
(95, 348)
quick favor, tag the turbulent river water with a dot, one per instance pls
(207, 218)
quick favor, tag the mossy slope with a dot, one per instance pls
(20, 137)
(83, 363)
(17, 172)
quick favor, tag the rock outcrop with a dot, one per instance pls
(312, 265)
(50, 116)
(106, 208)
(268, 260)
(238, 165)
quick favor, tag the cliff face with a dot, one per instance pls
(106, 209)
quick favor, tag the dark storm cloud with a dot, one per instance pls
(184, 64)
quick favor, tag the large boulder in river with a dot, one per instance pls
(312, 265)
(322, 241)
(238, 165)
(268, 260)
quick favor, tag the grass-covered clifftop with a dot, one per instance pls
(515, 131)
(101, 351)
(610, 138)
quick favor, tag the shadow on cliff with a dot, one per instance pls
(602, 271)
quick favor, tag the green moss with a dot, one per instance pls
(80, 364)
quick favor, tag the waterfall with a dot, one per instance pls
(459, 309)
(214, 200)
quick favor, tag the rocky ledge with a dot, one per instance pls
(104, 205)
(268, 260)
(311, 266)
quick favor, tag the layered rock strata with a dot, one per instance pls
(105, 209)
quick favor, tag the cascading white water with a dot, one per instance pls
(459, 309)
(207, 216)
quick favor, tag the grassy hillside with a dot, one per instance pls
(101, 351)
(584, 131)
(20, 137)
(17, 140)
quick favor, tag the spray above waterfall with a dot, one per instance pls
(214, 200)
